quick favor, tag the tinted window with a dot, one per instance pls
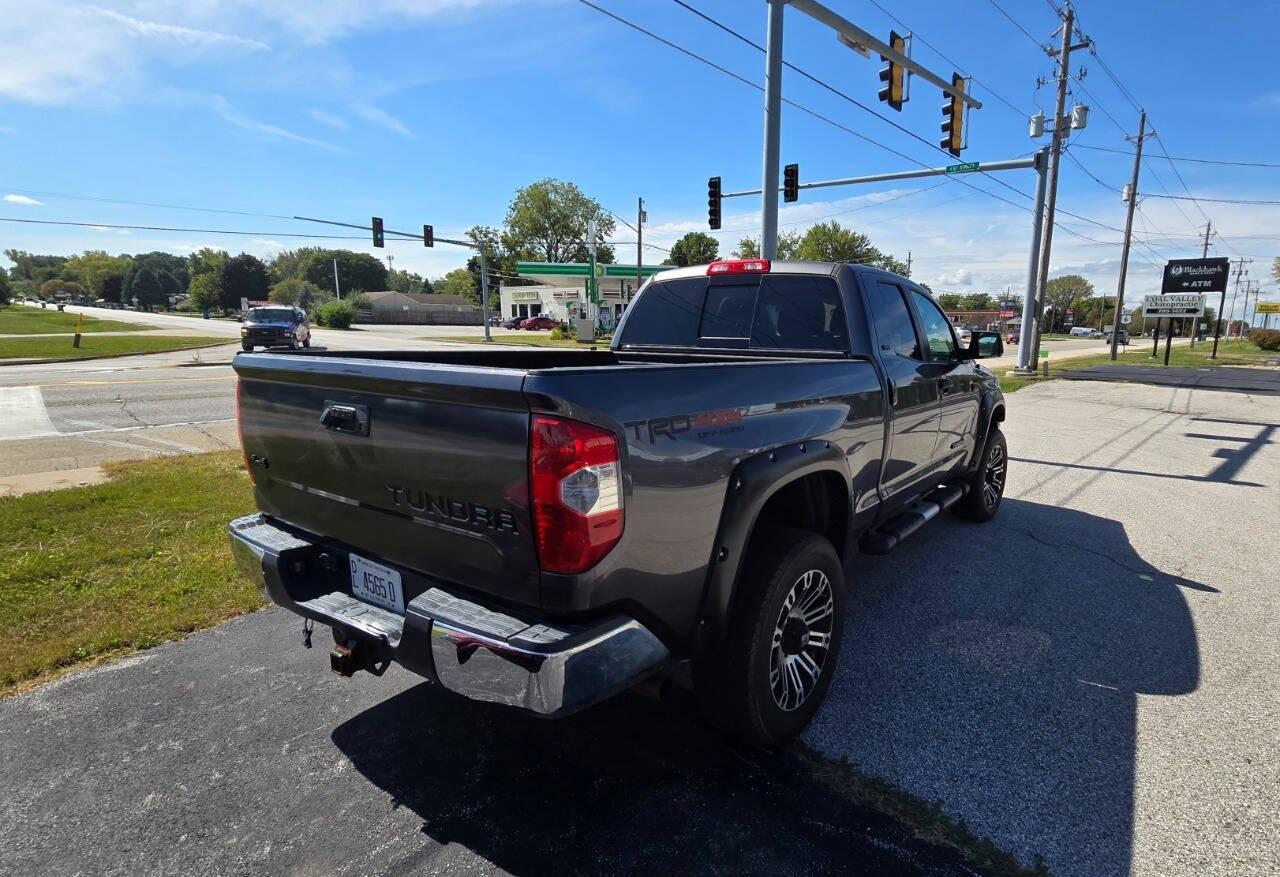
(270, 315)
(937, 328)
(894, 331)
(727, 312)
(666, 314)
(799, 312)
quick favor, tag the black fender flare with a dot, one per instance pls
(990, 410)
(752, 484)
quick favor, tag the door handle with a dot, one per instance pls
(946, 385)
(353, 419)
(893, 393)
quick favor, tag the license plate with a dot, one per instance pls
(376, 584)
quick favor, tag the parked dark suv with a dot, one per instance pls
(275, 326)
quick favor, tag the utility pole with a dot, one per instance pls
(336, 291)
(1222, 303)
(1055, 159)
(1204, 254)
(908, 264)
(639, 242)
(1128, 234)
(772, 130)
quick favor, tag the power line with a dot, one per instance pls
(1035, 42)
(261, 234)
(1221, 161)
(1200, 198)
(1079, 164)
(820, 82)
(102, 200)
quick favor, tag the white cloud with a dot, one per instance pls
(105, 229)
(333, 121)
(230, 114)
(1268, 100)
(7, 129)
(269, 245)
(381, 117)
(959, 277)
(23, 199)
(186, 35)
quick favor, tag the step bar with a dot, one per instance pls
(892, 532)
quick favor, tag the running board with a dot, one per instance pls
(890, 534)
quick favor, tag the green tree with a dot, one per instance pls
(695, 248)
(832, 242)
(29, 266)
(145, 288)
(57, 286)
(1061, 293)
(357, 272)
(206, 260)
(203, 291)
(113, 287)
(156, 262)
(169, 287)
(403, 281)
(459, 281)
(788, 246)
(92, 269)
(293, 291)
(978, 301)
(289, 263)
(6, 291)
(241, 276)
(547, 222)
(952, 301)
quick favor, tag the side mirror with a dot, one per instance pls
(984, 345)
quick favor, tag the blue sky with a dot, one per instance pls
(437, 110)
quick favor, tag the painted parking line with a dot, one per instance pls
(22, 414)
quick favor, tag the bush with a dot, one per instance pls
(1266, 339)
(336, 314)
(558, 333)
(360, 301)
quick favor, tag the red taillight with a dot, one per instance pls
(240, 433)
(738, 266)
(576, 486)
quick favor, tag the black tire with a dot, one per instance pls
(986, 484)
(247, 348)
(307, 343)
(751, 687)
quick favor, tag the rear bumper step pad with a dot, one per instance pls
(481, 653)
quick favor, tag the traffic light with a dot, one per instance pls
(713, 202)
(791, 183)
(428, 236)
(893, 74)
(378, 239)
(953, 118)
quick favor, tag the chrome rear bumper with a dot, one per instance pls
(548, 668)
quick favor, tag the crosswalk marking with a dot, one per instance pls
(22, 414)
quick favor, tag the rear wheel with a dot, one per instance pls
(307, 342)
(986, 484)
(772, 674)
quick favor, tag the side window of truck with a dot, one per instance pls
(666, 314)
(799, 312)
(895, 332)
(937, 329)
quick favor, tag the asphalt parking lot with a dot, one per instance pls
(1093, 680)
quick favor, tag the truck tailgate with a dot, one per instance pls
(420, 465)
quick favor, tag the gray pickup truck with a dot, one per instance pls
(545, 528)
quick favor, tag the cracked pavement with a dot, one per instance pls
(1094, 678)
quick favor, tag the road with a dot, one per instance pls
(1093, 678)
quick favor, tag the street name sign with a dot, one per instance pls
(963, 167)
(1173, 305)
(1196, 275)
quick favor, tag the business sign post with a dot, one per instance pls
(1187, 279)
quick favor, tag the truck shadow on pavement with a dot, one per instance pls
(628, 787)
(993, 669)
(996, 668)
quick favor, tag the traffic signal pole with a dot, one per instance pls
(772, 129)
(1128, 233)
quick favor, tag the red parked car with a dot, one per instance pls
(539, 322)
(1013, 337)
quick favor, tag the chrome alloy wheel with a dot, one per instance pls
(801, 639)
(993, 478)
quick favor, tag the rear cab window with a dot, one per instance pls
(759, 312)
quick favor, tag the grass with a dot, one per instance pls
(34, 321)
(59, 346)
(96, 572)
(1230, 353)
(524, 339)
